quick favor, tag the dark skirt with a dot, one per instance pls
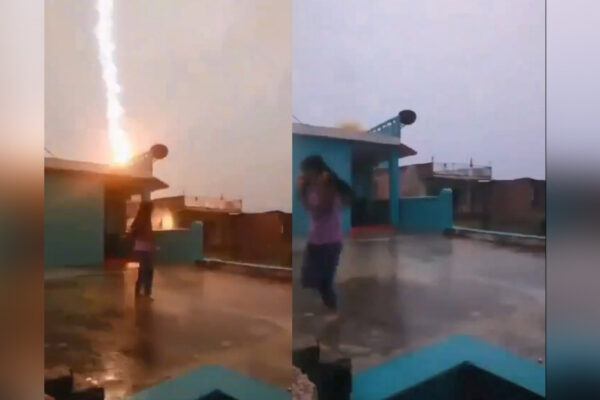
(320, 264)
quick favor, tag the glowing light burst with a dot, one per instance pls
(114, 111)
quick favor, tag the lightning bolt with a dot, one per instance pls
(114, 110)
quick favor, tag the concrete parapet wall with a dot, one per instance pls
(180, 245)
(427, 214)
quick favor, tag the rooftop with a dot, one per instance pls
(125, 174)
(351, 135)
(462, 171)
(399, 294)
(200, 318)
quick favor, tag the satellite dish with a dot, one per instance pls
(159, 151)
(407, 117)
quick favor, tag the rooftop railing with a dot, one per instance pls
(391, 127)
(462, 170)
(213, 203)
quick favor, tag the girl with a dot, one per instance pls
(323, 195)
(144, 247)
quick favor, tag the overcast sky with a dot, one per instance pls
(472, 70)
(211, 79)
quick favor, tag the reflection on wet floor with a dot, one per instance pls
(400, 294)
(94, 325)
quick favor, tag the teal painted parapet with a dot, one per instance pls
(432, 214)
(450, 367)
(205, 381)
(180, 246)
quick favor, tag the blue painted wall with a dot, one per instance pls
(422, 214)
(73, 220)
(337, 154)
(398, 376)
(427, 214)
(180, 246)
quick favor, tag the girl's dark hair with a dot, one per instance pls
(146, 208)
(143, 218)
(316, 164)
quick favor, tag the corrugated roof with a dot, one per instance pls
(344, 134)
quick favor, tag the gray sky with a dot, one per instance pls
(573, 86)
(212, 80)
(472, 70)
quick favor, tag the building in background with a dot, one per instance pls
(428, 179)
(479, 201)
(517, 205)
(228, 233)
(178, 212)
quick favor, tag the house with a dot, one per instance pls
(85, 210)
(355, 156)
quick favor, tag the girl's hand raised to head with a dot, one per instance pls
(325, 177)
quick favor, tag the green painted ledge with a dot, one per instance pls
(205, 380)
(406, 372)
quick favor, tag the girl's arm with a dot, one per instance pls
(326, 195)
(302, 186)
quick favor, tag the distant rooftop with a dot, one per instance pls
(462, 171)
(450, 170)
(201, 203)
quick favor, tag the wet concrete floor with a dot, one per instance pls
(94, 326)
(403, 293)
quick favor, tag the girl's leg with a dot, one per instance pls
(138, 283)
(148, 273)
(327, 289)
(309, 266)
(328, 293)
(140, 276)
(150, 277)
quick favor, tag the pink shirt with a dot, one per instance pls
(326, 225)
(142, 245)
